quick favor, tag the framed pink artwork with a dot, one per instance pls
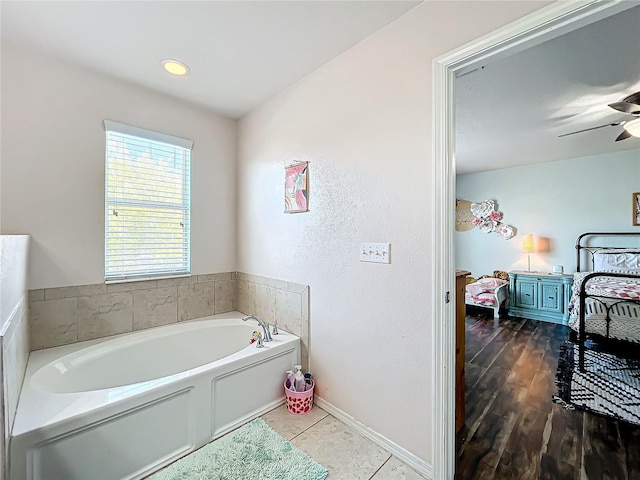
(296, 191)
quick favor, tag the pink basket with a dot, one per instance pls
(299, 403)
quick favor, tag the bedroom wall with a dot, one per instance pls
(556, 201)
(363, 121)
(52, 184)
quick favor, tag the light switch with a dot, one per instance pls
(375, 252)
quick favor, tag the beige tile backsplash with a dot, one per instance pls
(273, 299)
(225, 295)
(154, 307)
(102, 315)
(59, 316)
(265, 303)
(53, 322)
(196, 300)
(245, 301)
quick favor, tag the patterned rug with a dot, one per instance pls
(609, 385)
(252, 452)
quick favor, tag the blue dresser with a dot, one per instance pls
(540, 296)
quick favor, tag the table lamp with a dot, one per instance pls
(528, 246)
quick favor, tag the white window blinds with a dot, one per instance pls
(147, 203)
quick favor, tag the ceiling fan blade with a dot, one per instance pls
(614, 124)
(626, 107)
(630, 104)
(623, 136)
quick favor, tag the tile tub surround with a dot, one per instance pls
(15, 354)
(14, 332)
(272, 299)
(64, 315)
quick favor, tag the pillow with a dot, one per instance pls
(491, 283)
(616, 260)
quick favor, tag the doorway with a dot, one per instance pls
(533, 29)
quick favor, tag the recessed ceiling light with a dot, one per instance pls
(175, 67)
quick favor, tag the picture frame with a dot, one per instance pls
(636, 209)
(296, 187)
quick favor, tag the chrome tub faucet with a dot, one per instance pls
(263, 324)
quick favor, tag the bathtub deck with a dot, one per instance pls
(73, 431)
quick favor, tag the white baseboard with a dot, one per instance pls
(418, 464)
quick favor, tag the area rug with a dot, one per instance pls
(252, 452)
(609, 386)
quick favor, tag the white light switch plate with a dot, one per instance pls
(375, 252)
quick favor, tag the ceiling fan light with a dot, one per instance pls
(633, 127)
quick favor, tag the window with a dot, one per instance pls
(147, 203)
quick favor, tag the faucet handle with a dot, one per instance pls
(259, 341)
(274, 328)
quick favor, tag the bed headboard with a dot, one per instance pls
(588, 244)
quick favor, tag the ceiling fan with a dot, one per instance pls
(629, 105)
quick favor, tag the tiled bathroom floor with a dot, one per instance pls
(344, 452)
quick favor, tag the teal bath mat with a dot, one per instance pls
(252, 452)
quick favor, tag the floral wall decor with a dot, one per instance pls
(296, 193)
(484, 216)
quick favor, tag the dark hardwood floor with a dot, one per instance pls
(512, 428)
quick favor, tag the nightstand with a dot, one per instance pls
(540, 296)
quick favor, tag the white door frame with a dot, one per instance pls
(548, 22)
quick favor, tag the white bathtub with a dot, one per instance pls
(123, 407)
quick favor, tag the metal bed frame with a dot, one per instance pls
(591, 249)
